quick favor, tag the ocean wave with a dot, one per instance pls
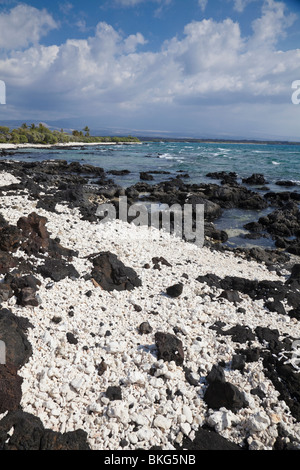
(220, 154)
(167, 156)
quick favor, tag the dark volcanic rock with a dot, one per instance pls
(10, 388)
(212, 232)
(286, 381)
(13, 329)
(111, 274)
(216, 375)
(36, 238)
(230, 196)
(275, 306)
(27, 431)
(271, 337)
(71, 338)
(30, 434)
(161, 260)
(35, 233)
(146, 176)
(169, 348)
(10, 238)
(24, 288)
(188, 374)
(231, 296)
(238, 362)
(239, 334)
(145, 328)
(269, 257)
(118, 172)
(285, 441)
(226, 177)
(285, 183)
(6, 292)
(27, 297)
(114, 393)
(254, 227)
(175, 290)
(257, 290)
(224, 394)
(256, 179)
(7, 262)
(295, 274)
(212, 210)
(206, 439)
(73, 440)
(295, 313)
(57, 270)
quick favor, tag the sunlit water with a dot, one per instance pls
(275, 162)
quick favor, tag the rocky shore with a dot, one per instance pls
(121, 337)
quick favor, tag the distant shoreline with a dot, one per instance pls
(65, 145)
(61, 145)
(216, 141)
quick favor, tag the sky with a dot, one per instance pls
(184, 68)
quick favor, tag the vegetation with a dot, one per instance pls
(43, 135)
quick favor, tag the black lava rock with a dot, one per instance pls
(145, 328)
(206, 439)
(71, 338)
(30, 434)
(224, 394)
(169, 348)
(114, 393)
(175, 291)
(57, 270)
(111, 274)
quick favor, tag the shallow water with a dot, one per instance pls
(276, 162)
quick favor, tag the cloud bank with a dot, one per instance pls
(209, 75)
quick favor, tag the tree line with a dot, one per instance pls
(41, 134)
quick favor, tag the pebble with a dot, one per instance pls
(187, 413)
(259, 422)
(162, 422)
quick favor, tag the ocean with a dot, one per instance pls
(275, 162)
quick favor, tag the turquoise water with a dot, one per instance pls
(276, 162)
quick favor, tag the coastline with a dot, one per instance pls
(62, 145)
(97, 364)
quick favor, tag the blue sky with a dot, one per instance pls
(199, 68)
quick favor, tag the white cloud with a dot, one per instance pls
(240, 5)
(24, 25)
(133, 3)
(202, 4)
(66, 7)
(129, 3)
(272, 24)
(108, 74)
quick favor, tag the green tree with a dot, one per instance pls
(4, 130)
(23, 139)
(87, 131)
